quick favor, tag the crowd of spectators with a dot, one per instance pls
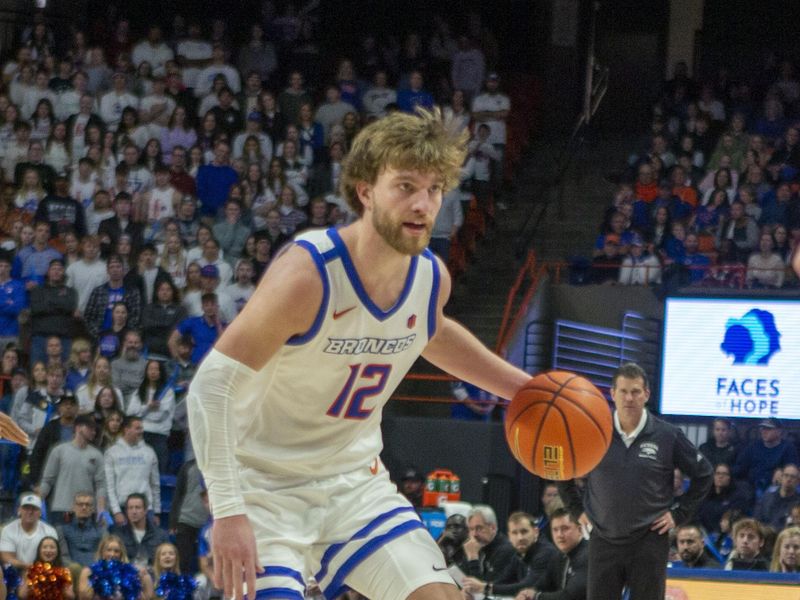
(710, 195)
(148, 176)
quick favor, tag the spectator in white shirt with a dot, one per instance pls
(112, 104)
(195, 52)
(205, 78)
(152, 50)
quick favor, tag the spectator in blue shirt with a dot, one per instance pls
(408, 100)
(12, 300)
(204, 330)
(758, 460)
(36, 258)
(214, 181)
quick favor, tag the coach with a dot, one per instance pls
(629, 500)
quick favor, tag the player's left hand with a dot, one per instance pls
(663, 523)
(10, 431)
(472, 585)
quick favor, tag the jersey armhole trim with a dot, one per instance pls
(319, 262)
(433, 303)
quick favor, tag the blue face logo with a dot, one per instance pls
(751, 339)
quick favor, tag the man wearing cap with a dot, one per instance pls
(72, 467)
(56, 431)
(20, 538)
(203, 330)
(758, 460)
(411, 486)
(774, 508)
(112, 103)
(252, 128)
(639, 267)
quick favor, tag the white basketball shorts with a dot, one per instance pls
(347, 531)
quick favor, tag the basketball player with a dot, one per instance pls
(10, 431)
(285, 410)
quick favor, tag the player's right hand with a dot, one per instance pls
(233, 545)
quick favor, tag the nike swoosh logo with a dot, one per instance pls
(435, 568)
(341, 313)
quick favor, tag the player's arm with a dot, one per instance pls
(455, 350)
(285, 304)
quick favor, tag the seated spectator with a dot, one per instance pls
(154, 401)
(203, 330)
(72, 467)
(725, 495)
(534, 554)
(488, 555)
(691, 549)
(139, 534)
(682, 188)
(786, 554)
(111, 548)
(646, 186)
(128, 370)
(708, 216)
(720, 448)
(758, 460)
(568, 572)
(606, 266)
(640, 267)
(79, 538)
(131, 467)
(765, 268)
(773, 509)
(748, 547)
(20, 538)
(47, 577)
(741, 230)
(451, 541)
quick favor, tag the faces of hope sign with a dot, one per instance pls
(731, 358)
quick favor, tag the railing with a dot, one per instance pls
(732, 276)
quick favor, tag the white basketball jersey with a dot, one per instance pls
(315, 408)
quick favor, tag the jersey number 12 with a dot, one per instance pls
(371, 378)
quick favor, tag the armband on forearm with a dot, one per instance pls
(217, 383)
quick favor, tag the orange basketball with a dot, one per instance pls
(558, 425)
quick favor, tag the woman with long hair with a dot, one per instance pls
(173, 258)
(154, 402)
(100, 377)
(207, 132)
(252, 154)
(192, 287)
(109, 341)
(160, 317)
(79, 365)
(42, 120)
(30, 193)
(196, 160)
(114, 572)
(150, 157)
(178, 132)
(47, 578)
(786, 554)
(111, 429)
(106, 402)
(57, 152)
(291, 216)
(130, 130)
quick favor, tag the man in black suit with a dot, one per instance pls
(110, 229)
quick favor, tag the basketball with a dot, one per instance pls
(558, 425)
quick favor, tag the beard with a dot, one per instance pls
(394, 235)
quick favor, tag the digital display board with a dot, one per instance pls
(726, 357)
